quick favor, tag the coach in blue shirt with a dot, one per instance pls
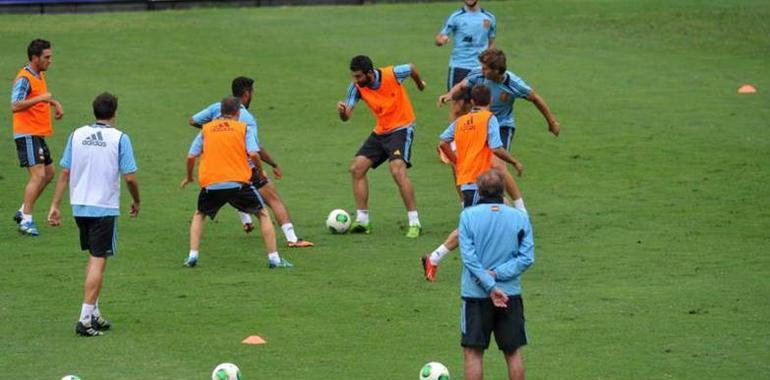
(497, 248)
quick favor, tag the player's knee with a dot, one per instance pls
(357, 171)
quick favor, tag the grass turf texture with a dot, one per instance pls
(650, 210)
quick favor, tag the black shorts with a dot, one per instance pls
(245, 199)
(479, 317)
(455, 76)
(258, 180)
(396, 145)
(506, 136)
(98, 235)
(32, 150)
(470, 197)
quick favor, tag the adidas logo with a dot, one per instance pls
(95, 139)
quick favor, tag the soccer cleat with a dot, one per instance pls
(190, 261)
(87, 329)
(17, 217)
(281, 264)
(429, 268)
(28, 228)
(359, 228)
(300, 243)
(100, 323)
(248, 227)
(414, 231)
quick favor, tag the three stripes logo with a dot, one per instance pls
(95, 139)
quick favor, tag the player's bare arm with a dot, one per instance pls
(416, 77)
(442, 39)
(491, 43)
(133, 187)
(462, 86)
(265, 157)
(254, 157)
(344, 111)
(54, 213)
(504, 155)
(553, 125)
(25, 104)
(446, 148)
(190, 167)
(193, 123)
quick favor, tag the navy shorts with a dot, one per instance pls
(470, 197)
(32, 150)
(506, 136)
(396, 145)
(455, 76)
(244, 199)
(258, 180)
(98, 235)
(480, 317)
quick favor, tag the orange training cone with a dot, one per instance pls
(254, 339)
(747, 89)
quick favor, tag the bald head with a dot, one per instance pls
(491, 184)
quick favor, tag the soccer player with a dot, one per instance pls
(497, 248)
(506, 87)
(31, 106)
(243, 89)
(473, 29)
(93, 160)
(477, 139)
(383, 91)
(224, 176)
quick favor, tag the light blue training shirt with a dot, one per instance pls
(503, 94)
(470, 32)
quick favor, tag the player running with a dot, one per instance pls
(243, 89)
(224, 176)
(477, 139)
(383, 91)
(505, 87)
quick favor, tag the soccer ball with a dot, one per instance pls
(338, 221)
(434, 371)
(226, 371)
(70, 377)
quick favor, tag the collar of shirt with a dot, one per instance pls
(376, 82)
(31, 70)
(101, 125)
(490, 200)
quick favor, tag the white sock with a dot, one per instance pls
(21, 208)
(85, 312)
(414, 220)
(245, 218)
(273, 257)
(362, 216)
(288, 230)
(26, 218)
(96, 312)
(519, 204)
(438, 254)
(193, 254)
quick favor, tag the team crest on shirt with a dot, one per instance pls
(487, 23)
(495, 208)
(504, 96)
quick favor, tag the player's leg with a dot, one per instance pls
(248, 199)
(269, 193)
(476, 322)
(515, 362)
(97, 235)
(473, 364)
(209, 203)
(511, 187)
(34, 154)
(470, 197)
(399, 147)
(196, 233)
(358, 169)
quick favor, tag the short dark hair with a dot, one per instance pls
(361, 63)
(480, 95)
(230, 106)
(491, 184)
(242, 84)
(494, 59)
(105, 106)
(36, 48)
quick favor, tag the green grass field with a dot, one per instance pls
(651, 214)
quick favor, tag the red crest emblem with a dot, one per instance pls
(487, 23)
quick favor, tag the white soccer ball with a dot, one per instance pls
(226, 371)
(338, 221)
(70, 377)
(434, 371)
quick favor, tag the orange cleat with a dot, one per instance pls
(300, 244)
(429, 268)
(248, 227)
